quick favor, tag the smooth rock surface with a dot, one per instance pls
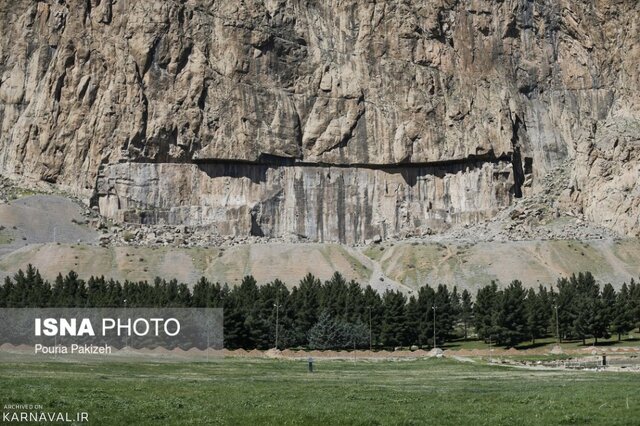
(327, 204)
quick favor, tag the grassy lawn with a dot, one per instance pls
(258, 392)
(546, 343)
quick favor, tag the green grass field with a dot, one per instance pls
(547, 343)
(258, 392)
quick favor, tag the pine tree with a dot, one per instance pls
(236, 334)
(172, 293)
(444, 314)
(333, 296)
(466, 311)
(306, 304)
(246, 295)
(57, 298)
(484, 310)
(325, 334)
(96, 292)
(333, 333)
(250, 316)
(4, 292)
(115, 297)
(545, 299)
(582, 323)
(285, 314)
(537, 315)
(634, 303)
(355, 306)
(184, 296)
(269, 311)
(393, 325)
(19, 296)
(7, 293)
(412, 322)
(512, 316)
(565, 307)
(605, 312)
(622, 313)
(374, 313)
(456, 306)
(587, 305)
(426, 301)
(201, 291)
(38, 290)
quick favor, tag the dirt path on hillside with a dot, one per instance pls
(379, 281)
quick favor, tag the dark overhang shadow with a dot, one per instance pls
(256, 171)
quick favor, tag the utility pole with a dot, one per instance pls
(490, 359)
(434, 307)
(370, 339)
(125, 316)
(277, 306)
(557, 324)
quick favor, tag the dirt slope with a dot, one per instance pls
(50, 226)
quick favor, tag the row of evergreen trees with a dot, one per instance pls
(341, 314)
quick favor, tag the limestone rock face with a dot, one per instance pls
(311, 203)
(609, 188)
(385, 117)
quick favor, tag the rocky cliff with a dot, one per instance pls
(332, 120)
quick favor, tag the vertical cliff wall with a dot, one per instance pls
(345, 204)
(107, 98)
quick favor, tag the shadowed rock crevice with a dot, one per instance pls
(516, 158)
(410, 172)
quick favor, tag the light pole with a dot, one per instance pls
(490, 359)
(434, 307)
(557, 324)
(208, 331)
(125, 317)
(277, 306)
(370, 340)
